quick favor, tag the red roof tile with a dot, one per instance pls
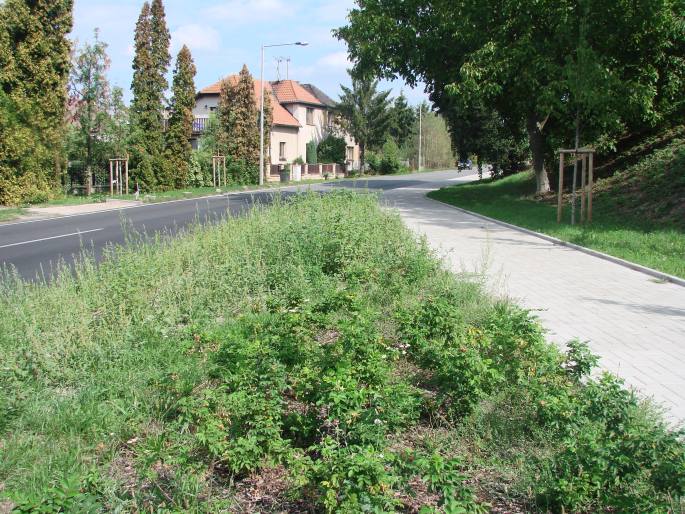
(290, 91)
(281, 116)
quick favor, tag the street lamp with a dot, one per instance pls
(261, 107)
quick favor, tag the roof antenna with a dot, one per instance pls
(279, 60)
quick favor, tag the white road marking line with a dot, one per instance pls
(53, 237)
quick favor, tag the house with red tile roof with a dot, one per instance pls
(301, 113)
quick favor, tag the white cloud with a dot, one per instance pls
(196, 37)
(253, 11)
(336, 61)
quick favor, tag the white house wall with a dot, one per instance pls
(315, 132)
(204, 105)
(289, 136)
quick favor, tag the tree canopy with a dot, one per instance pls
(239, 118)
(402, 120)
(539, 65)
(90, 101)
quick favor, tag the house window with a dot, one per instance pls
(350, 153)
(281, 151)
(310, 116)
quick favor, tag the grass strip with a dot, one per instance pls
(614, 230)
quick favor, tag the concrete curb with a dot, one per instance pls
(616, 260)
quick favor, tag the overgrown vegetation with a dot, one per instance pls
(638, 213)
(309, 357)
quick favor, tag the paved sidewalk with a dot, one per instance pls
(635, 323)
(84, 208)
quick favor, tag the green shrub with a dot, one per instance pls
(196, 173)
(311, 153)
(390, 160)
(373, 162)
(241, 172)
(614, 455)
(332, 149)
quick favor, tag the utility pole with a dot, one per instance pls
(420, 134)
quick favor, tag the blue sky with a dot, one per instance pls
(223, 35)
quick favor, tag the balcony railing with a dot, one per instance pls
(200, 124)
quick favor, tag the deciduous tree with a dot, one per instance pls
(90, 101)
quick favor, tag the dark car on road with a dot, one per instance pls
(465, 165)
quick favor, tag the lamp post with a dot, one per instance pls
(420, 133)
(261, 107)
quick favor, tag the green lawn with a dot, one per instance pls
(613, 231)
(10, 213)
(311, 356)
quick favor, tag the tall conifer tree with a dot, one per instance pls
(181, 119)
(239, 119)
(150, 66)
(34, 68)
(161, 38)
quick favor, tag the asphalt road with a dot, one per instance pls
(33, 248)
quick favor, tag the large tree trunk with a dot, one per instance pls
(537, 147)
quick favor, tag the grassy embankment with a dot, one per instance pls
(638, 213)
(312, 356)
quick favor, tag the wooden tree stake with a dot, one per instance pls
(560, 186)
(583, 171)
